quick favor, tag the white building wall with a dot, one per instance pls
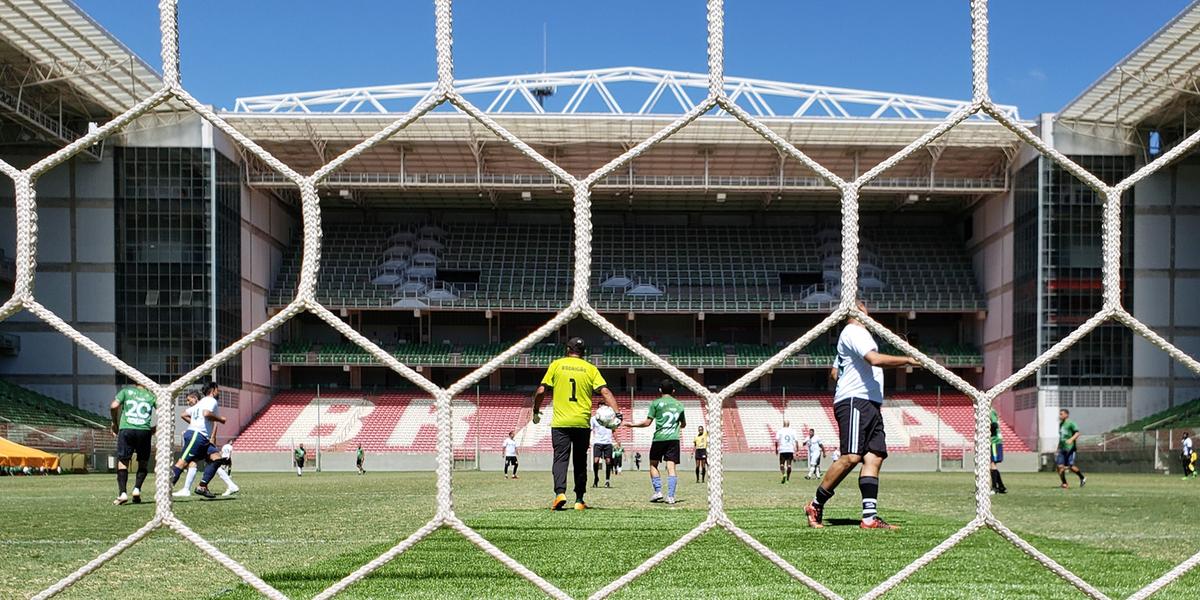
(75, 279)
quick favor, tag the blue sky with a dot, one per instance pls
(1044, 52)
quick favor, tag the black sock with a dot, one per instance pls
(789, 473)
(122, 480)
(514, 469)
(141, 477)
(595, 473)
(175, 471)
(1080, 475)
(506, 468)
(1062, 476)
(210, 471)
(998, 479)
(823, 496)
(704, 473)
(995, 476)
(697, 472)
(869, 486)
(607, 472)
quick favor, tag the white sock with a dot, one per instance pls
(224, 475)
(299, 471)
(191, 478)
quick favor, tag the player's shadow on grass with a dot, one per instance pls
(841, 522)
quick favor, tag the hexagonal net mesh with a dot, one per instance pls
(305, 300)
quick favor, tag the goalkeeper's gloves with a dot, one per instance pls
(537, 417)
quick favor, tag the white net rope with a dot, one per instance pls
(305, 300)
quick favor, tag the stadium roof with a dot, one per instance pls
(619, 91)
(1148, 81)
(64, 44)
(59, 70)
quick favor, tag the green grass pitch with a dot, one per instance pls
(301, 534)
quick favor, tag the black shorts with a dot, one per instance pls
(786, 457)
(701, 453)
(133, 441)
(665, 450)
(602, 451)
(509, 460)
(860, 427)
(617, 460)
(300, 463)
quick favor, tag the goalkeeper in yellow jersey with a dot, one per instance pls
(571, 381)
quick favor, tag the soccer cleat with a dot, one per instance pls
(877, 523)
(204, 493)
(559, 502)
(230, 491)
(515, 477)
(657, 497)
(580, 505)
(814, 514)
(1002, 491)
(1064, 485)
(1082, 481)
(607, 484)
(670, 499)
(136, 496)
(782, 480)
(122, 499)
(184, 493)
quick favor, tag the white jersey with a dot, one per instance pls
(600, 433)
(1187, 446)
(856, 377)
(196, 412)
(813, 444)
(786, 440)
(510, 447)
(227, 450)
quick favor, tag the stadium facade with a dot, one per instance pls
(167, 242)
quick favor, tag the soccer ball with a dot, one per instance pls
(607, 417)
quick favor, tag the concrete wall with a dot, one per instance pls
(991, 248)
(1166, 284)
(75, 279)
(344, 461)
(267, 225)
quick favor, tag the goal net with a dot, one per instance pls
(717, 98)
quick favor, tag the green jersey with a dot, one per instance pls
(300, 453)
(666, 412)
(1066, 430)
(618, 451)
(137, 408)
(997, 438)
(359, 455)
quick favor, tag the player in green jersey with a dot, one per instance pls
(571, 380)
(997, 455)
(359, 455)
(298, 456)
(666, 413)
(1068, 435)
(133, 425)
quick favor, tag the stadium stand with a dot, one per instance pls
(610, 355)
(404, 422)
(27, 407)
(636, 268)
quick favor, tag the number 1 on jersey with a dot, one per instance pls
(573, 397)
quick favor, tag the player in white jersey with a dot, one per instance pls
(201, 418)
(226, 469)
(1188, 456)
(857, 404)
(602, 451)
(816, 449)
(510, 454)
(785, 445)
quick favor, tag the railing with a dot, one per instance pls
(41, 120)
(729, 360)
(524, 181)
